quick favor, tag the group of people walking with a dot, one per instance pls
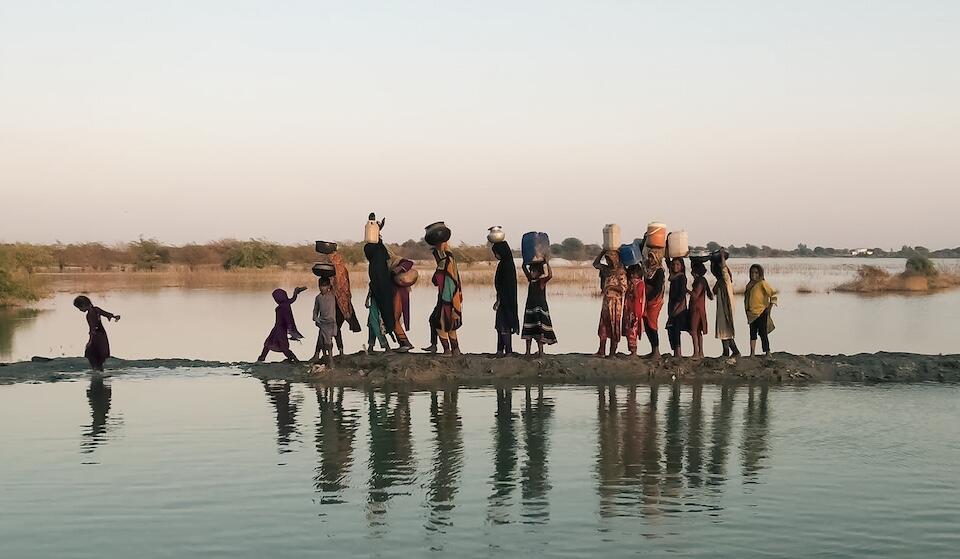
(632, 301)
(633, 298)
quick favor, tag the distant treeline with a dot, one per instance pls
(151, 254)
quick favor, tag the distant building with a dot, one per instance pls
(861, 252)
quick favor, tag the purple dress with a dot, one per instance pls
(284, 329)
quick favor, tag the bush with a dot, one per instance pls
(252, 254)
(920, 266)
(13, 289)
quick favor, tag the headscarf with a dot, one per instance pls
(753, 283)
(678, 288)
(285, 315)
(341, 286)
(505, 281)
(381, 282)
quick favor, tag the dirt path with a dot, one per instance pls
(418, 370)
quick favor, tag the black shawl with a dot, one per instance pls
(381, 283)
(506, 284)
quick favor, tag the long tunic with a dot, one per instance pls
(98, 345)
(698, 305)
(537, 324)
(611, 311)
(725, 329)
(325, 315)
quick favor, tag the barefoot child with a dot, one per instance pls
(633, 307)
(284, 328)
(325, 317)
(759, 300)
(98, 346)
(678, 317)
(723, 289)
(654, 279)
(698, 305)
(537, 325)
(613, 279)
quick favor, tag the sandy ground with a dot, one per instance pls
(420, 370)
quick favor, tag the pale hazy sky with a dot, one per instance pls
(826, 122)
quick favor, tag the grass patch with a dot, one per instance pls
(919, 276)
(16, 289)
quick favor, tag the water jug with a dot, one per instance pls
(371, 231)
(436, 233)
(677, 244)
(496, 234)
(611, 236)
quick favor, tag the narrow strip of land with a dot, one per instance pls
(420, 370)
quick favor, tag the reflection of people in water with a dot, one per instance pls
(695, 438)
(610, 463)
(391, 450)
(753, 449)
(650, 456)
(447, 457)
(279, 395)
(335, 431)
(534, 481)
(98, 346)
(503, 479)
(722, 417)
(98, 396)
(673, 446)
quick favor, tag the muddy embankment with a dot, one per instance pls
(420, 370)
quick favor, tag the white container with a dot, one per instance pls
(496, 234)
(678, 245)
(371, 232)
(611, 237)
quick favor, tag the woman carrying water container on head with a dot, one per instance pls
(382, 288)
(537, 324)
(654, 244)
(448, 313)
(613, 281)
(759, 299)
(507, 321)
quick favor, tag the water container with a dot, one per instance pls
(656, 235)
(535, 247)
(678, 244)
(631, 254)
(611, 236)
(436, 233)
(496, 234)
(326, 247)
(324, 270)
(407, 278)
(371, 231)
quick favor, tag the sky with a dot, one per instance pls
(832, 123)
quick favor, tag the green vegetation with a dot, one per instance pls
(920, 266)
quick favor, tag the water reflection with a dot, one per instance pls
(647, 469)
(336, 429)
(504, 475)
(534, 480)
(99, 394)
(392, 463)
(447, 458)
(753, 449)
(10, 320)
(279, 394)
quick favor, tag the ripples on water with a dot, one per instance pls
(242, 467)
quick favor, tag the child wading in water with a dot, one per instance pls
(284, 329)
(375, 325)
(325, 317)
(537, 325)
(698, 305)
(759, 300)
(98, 346)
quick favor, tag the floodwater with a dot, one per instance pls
(216, 324)
(205, 462)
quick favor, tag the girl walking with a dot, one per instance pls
(507, 322)
(633, 307)
(654, 280)
(698, 305)
(678, 317)
(537, 325)
(284, 327)
(723, 289)
(98, 345)
(759, 300)
(613, 279)
(449, 309)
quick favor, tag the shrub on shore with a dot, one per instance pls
(920, 275)
(15, 289)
